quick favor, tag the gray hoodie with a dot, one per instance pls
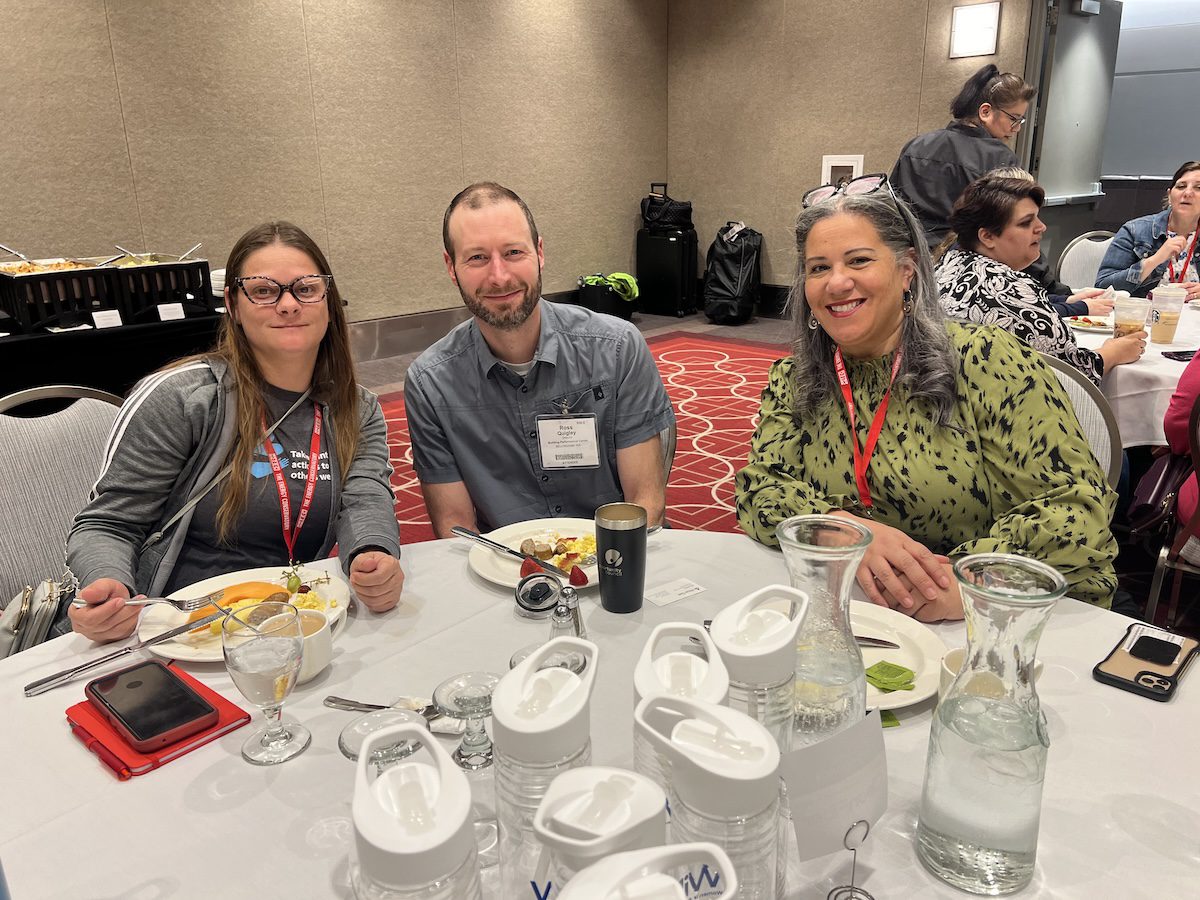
(171, 438)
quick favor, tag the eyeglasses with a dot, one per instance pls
(263, 291)
(863, 184)
(1015, 122)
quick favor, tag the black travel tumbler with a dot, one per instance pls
(621, 556)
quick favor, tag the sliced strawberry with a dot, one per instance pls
(529, 567)
(578, 576)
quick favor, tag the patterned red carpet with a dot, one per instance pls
(714, 384)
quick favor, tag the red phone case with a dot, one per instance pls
(96, 733)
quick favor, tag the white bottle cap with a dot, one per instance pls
(723, 763)
(651, 874)
(412, 824)
(543, 715)
(756, 635)
(680, 673)
(594, 811)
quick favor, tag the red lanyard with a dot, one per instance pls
(1187, 260)
(310, 485)
(862, 458)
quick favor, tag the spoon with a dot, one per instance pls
(186, 253)
(16, 253)
(429, 711)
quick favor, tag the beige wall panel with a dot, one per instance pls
(943, 76)
(67, 186)
(786, 86)
(566, 104)
(386, 98)
(219, 116)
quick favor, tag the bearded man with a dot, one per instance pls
(529, 409)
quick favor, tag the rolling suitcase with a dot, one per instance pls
(667, 272)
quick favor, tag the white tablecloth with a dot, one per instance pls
(1120, 818)
(1139, 392)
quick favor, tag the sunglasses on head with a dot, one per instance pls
(863, 184)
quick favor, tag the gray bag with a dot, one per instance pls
(26, 620)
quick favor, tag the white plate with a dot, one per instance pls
(504, 570)
(920, 650)
(1076, 323)
(207, 648)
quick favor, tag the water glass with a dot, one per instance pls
(263, 646)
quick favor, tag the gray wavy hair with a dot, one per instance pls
(929, 370)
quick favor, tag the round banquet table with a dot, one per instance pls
(1120, 815)
(1139, 392)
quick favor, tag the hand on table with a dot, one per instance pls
(1096, 305)
(947, 605)
(106, 617)
(892, 555)
(1193, 290)
(377, 579)
(1126, 349)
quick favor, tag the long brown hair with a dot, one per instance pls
(333, 383)
(989, 85)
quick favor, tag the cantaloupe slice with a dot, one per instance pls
(246, 590)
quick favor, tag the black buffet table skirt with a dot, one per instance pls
(112, 359)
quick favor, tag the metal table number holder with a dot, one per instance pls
(855, 835)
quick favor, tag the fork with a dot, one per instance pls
(181, 605)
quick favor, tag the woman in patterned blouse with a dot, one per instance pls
(980, 279)
(979, 451)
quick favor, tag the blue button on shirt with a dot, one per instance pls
(472, 419)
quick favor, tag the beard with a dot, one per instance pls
(505, 319)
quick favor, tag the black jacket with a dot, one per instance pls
(934, 167)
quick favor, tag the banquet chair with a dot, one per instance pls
(1180, 551)
(51, 464)
(1095, 416)
(667, 439)
(1080, 260)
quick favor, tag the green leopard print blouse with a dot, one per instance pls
(1015, 476)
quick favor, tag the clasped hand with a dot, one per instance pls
(905, 575)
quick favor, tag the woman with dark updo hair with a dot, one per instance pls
(934, 167)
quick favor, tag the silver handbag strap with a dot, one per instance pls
(220, 476)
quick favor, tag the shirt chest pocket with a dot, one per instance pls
(584, 399)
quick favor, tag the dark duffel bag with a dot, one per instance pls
(733, 274)
(661, 213)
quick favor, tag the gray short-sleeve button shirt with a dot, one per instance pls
(472, 419)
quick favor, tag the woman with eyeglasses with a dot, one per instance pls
(934, 167)
(1160, 247)
(941, 438)
(263, 451)
(980, 278)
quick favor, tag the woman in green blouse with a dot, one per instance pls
(978, 447)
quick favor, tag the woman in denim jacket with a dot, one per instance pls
(1161, 246)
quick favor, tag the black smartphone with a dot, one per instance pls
(1147, 661)
(1179, 355)
(150, 706)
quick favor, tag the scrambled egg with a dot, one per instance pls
(308, 600)
(577, 549)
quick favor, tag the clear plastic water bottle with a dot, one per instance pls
(413, 831)
(540, 728)
(822, 554)
(724, 788)
(678, 673)
(591, 813)
(756, 637)
(660, 873)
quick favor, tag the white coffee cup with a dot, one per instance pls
(318, 644)
(952, 664)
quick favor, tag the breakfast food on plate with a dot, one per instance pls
(292, 588)
(565, 552)
(1088, 322)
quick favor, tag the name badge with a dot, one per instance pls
(568, 442)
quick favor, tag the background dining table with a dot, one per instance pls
(1120, 815)
(1139, 392)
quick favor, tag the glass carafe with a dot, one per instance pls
(822, 555)
(982, 799)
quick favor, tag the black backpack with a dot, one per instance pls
(732, 274)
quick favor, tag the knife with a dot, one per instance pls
(860, 639)
(501, 548)
(52, 681)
